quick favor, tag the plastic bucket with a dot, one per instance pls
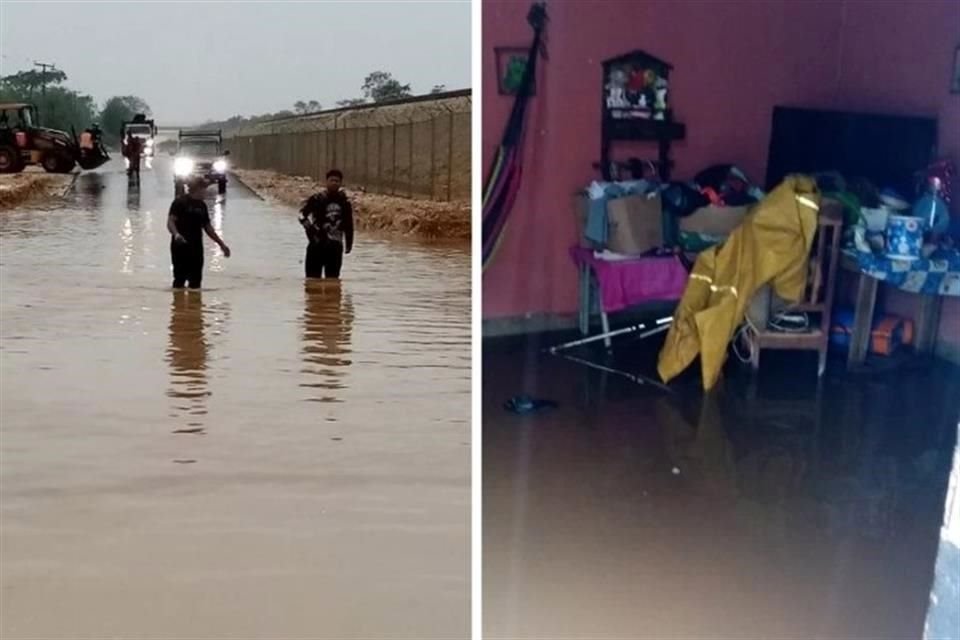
(904, 237)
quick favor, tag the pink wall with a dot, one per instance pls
(733, 60)
(906, 74)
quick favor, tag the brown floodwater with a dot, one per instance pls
(262, 459)
(770, 509)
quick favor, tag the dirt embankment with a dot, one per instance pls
(18, 188)
(372, 212)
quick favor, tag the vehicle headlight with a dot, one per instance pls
(182, 166)
(220, 166)
(149, 142)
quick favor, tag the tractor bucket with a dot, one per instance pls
(95, 158)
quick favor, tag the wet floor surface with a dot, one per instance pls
(262, 459)
(775, 510)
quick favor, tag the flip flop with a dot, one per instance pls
(523, 404)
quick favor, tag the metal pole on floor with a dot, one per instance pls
(662, 325)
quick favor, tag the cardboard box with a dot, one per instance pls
(714, 221)
(635, 224)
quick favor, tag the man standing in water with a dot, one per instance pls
(132, 151)
(327, 218)
(187, 221)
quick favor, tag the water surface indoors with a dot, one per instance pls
(775, 510)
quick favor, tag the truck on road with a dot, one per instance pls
(200, 153)
(142, 128)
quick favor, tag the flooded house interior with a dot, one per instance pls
(721, 317)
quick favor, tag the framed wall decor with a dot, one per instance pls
(511, 65)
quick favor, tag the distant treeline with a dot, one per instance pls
(378, 86)
(65, 109)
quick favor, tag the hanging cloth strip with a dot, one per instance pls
(503, 181)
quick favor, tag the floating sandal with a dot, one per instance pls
(525, 404)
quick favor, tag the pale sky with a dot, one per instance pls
(194, 61)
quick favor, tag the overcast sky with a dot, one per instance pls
(193, 61)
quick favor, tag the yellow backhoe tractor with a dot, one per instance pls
(24, 142)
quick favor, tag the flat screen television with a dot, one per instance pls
(885, 149)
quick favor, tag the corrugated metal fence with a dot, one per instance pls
(428, 158)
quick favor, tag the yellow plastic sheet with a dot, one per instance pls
(772, 245)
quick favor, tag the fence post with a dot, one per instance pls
(366, 155)
(450, 161)
(393, 180)
(379, 158)
(410, 167)
(356, 151)
(433, 158)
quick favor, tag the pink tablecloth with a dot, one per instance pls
(625, 283)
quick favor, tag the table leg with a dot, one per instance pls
(605, 323)
(585, 301)
(928, 324)
(862, 320)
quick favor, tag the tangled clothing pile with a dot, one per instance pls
(771, 246)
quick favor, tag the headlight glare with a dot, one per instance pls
(182, 166)
(220, 166)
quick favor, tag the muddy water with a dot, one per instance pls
(775, 510)
(261, 459)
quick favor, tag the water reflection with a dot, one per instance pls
(702, 451)
(126, 239)
(187, 356)
(133, 199)
(327, 326)
(216, 221)
(89, 189)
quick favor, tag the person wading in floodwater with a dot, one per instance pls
(132, 151)
(327, 217)
(187, 221)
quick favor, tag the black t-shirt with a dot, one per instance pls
(190, 217)
(331, 214)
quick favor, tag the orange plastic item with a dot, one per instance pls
(881, 338)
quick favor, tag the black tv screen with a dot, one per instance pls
(885, 149)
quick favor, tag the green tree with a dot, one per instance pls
(301, 107)
(27, 83)
(116, 111)
(66, 110)
(58, 107)
(381, 86)
(438, 88)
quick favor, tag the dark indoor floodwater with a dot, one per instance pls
(770, 509)
(265, 458)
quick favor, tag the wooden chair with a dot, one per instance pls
(819, 294)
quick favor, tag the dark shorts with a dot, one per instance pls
(324, 260)
(187, 264)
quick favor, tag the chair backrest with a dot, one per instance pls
(825, 257)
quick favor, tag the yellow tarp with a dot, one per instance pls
(772, 246)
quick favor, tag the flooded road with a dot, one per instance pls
(262, 459)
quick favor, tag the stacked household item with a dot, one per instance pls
(631, 217)
(887, 333)
(889, 224)
(620, 219)
(703, 212)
